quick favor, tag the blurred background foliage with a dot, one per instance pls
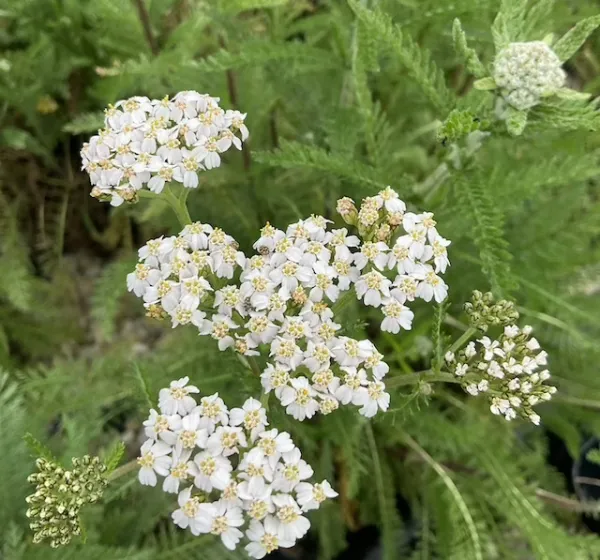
(338, 105)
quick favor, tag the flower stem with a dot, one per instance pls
(123, 470)
(418, 376)
(459, 343)
(179, 206)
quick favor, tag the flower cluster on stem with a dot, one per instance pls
(280, 301)
(509, 371)
(150, 143)
(234, 477)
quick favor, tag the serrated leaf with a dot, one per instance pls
(468, 55)
(294, 154)
(516, 122)
(86, 122)
(416, 60)
(570, 42)
(114, 456)
(37, 448)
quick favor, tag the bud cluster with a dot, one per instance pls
(506, 371)
(527, 72)
(484, 312)
(60, 494)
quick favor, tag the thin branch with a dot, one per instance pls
(146, 26)
(567, 503)
(587, 480)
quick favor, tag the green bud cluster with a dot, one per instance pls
(55, 505)
(485, 312)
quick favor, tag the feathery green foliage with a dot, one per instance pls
(342, 99)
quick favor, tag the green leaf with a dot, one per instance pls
(298, 56)
(570, 42)
(231, 7)
(85, 122)
(468, 55)
(485, 83)
(294, 154)
(458, 125)
(114, 456)
(486, 229)
(571, 94)
(417, 61)
(516, 121)
(37, 448)
(143, 382)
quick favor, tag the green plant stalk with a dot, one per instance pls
(460, 342)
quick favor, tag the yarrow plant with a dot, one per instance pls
(509, 370)
(150, 143)
(281, 304)
(233, 475)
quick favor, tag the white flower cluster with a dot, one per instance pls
(230, 472)
(526, 72)
(506, 370)
(281, 303)
(153, 142)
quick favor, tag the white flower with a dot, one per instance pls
(176, 399)
(397, 316)
(372, 398)
(431, 285)
(400, 256)
(210, 471)
(188, 512)
(373, 287)
(353, 381)
(293, 470)
(388, 198)
(324, 286)
(375, 253)
(222, 520)
(159, 426)
(252, 415)
(286, 352)
(226, 441)
(310, 496)
(153, 460)
(299, 399)
(264, 538)
(293, 525)
(219, 329)
(273, 444)
(275, 377)
(178, 472)
(191, 435)
(212, 411)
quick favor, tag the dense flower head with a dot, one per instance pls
(60, 494)
(233, 475)
(510, 371)
(526, 72)
(281, 302)
(148, 143)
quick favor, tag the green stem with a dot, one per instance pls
(465, 337)
(179, 207)
(123, 470)
(418, 376)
